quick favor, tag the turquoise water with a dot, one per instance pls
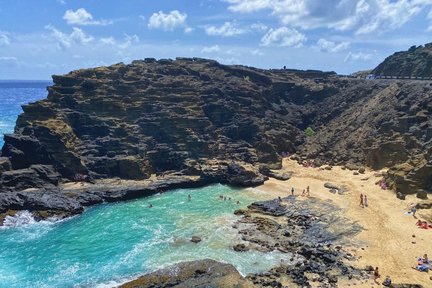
(113, 242)
(13, 94)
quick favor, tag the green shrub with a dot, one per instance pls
(309, 132)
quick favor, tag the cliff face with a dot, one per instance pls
(129, 121)
(416, 62)
(391, 128)
(200, 118)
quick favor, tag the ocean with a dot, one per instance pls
(13, 94)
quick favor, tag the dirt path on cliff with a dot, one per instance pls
(391, 239)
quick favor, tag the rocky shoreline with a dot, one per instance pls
(71, 198)
(312, 232)
(201, 273)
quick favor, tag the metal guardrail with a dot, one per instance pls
(402, 77)
(377, 77)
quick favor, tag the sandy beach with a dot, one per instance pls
(391, 240)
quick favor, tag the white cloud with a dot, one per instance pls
(358, 56)
(362, 16)
(77, 36)
(210, 49)
(246, 6)
(9, 61)
(167, 22)
(284, 37)
(46, 65)
(256, 52)
(259, 27)
(226, 30)
(188, 29)
(129, 40)
(227, 61)
(83, 17)
(108, 41)
(61, 2)
(4, 39)
(429, 17)
(331, 47)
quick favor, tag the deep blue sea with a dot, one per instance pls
(13, 94)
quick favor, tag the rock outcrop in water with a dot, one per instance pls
(217, 123)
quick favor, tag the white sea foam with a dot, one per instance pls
(115, 283)
(22, 218)
(25, 218)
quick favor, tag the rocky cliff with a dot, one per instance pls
(391, 127)
(416, 62)
(217, 123)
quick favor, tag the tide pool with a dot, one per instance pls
(111, 243)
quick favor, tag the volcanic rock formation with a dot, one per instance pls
(217, 123)
(416, 62)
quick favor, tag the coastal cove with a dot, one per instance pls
(133, 172)
(111, 243)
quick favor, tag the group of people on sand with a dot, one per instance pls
(308, 164)
(305, 193)
(419, 223)
(423, 263)
(224, 198)
(423, 224)
(364, 202)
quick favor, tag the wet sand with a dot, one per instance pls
(391, 239)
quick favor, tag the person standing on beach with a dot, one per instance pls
(361, 201)
(292, 191)
(303, 193)
(413, 211)
(307, 191)
(365, 200)
(376, 274)
(425, 259)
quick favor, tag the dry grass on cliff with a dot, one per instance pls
(392, 240)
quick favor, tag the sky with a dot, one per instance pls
(46, 37)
